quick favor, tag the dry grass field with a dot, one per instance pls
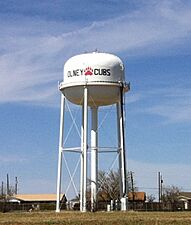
(99, 218)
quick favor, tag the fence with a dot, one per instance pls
(156, 206)
(141, 206)
(10, 206)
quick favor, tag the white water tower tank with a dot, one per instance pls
(103, 74)
(93, 80)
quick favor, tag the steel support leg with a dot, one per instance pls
(85, 147)
(94, 157)
(121, 145)
(60, 152)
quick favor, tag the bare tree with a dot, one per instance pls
(4, 193)
(109, 185)
(170, 195)
(150, 198)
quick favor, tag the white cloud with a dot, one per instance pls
(12, 159)
(29, 60)
(174, 113)
(132, 98)
(161, 25)
(173, 104)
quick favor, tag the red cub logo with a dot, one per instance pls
(88, 71)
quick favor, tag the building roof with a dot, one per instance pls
(185, 195)
(37, 197)
(138, 196)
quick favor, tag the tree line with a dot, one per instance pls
(7, 189)
(109, 189)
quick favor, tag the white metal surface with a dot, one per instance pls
(82, 162)
(60, 153)
(119, 148)
(123, 204)
(103, 74)
(93, 66)
(85, 147)
(94, 157)
(93, 79)
(121, 144)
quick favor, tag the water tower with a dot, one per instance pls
(93, 80)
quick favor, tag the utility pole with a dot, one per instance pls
(2, 189)
(8, 185)
(160, 186)
(16, 185)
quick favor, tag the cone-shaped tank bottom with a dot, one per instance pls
(99, 94)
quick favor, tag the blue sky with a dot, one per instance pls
(152, 37)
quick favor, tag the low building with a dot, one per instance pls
(37, 198)
(36, 201)
(185, 198)
(137, 196)
(136, 200)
